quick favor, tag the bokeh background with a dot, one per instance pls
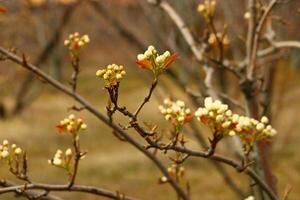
(119, 30)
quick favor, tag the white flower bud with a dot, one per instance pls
(141, 57)
(86, 38)
(4, 154)
(57, 162)
(231, 133)
(247, 15)
(208, 101)
(83, 126)
(180, 103)
(163, 179)
(264, 120)
(167, 54)
(167, 101)
(70, 128)
(5, 142)
(68, 152)
(226, 124)
(219, 118)
(66, 42)
(260, 126)
(105, 76)
(118, 76)
(187, 111)
(168, 117)
(180, 119)
(159, 59)
(228, 113)
(80, 43)
(148, 54)
(18, 151)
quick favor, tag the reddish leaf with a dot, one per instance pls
(60, 128)
(3, 9)
(170, 60)
(204, 119)
(188, 118)
(144, 64)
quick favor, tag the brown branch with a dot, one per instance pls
(11, 187)
(251, 32)
(147, 98)
(28, 194)
(99, 115)
(236, 165)
(77, 158)
(256, 38)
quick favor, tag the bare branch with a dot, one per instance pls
(11, 187)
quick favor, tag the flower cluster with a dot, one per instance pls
(212, 40)
(175, 112)
(75, 42)
(112, 74)
(62, 159)
(150, 59)
(7, 151)
(217, 115)
(71, 124)
(207, 9)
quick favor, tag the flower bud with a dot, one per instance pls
(18, 151)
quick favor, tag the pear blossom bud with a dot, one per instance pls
(83, 126)
(18, 151)
(264, 120)
(5, 142)
(57, 162)
(118, 76)
(4, 154)
(68, 152)
(231, 133)
(71, 116)
(163, 179)
(260, 126)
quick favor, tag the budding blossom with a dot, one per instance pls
(212, 40)
(71, 124)
(8, 151)
(61, 159)
(75, 42)
(150, 59)
(247, 15)
(207, 9)
(175, 112)
(112, 74)
(217, 115)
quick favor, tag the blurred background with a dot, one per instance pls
(119, 30)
